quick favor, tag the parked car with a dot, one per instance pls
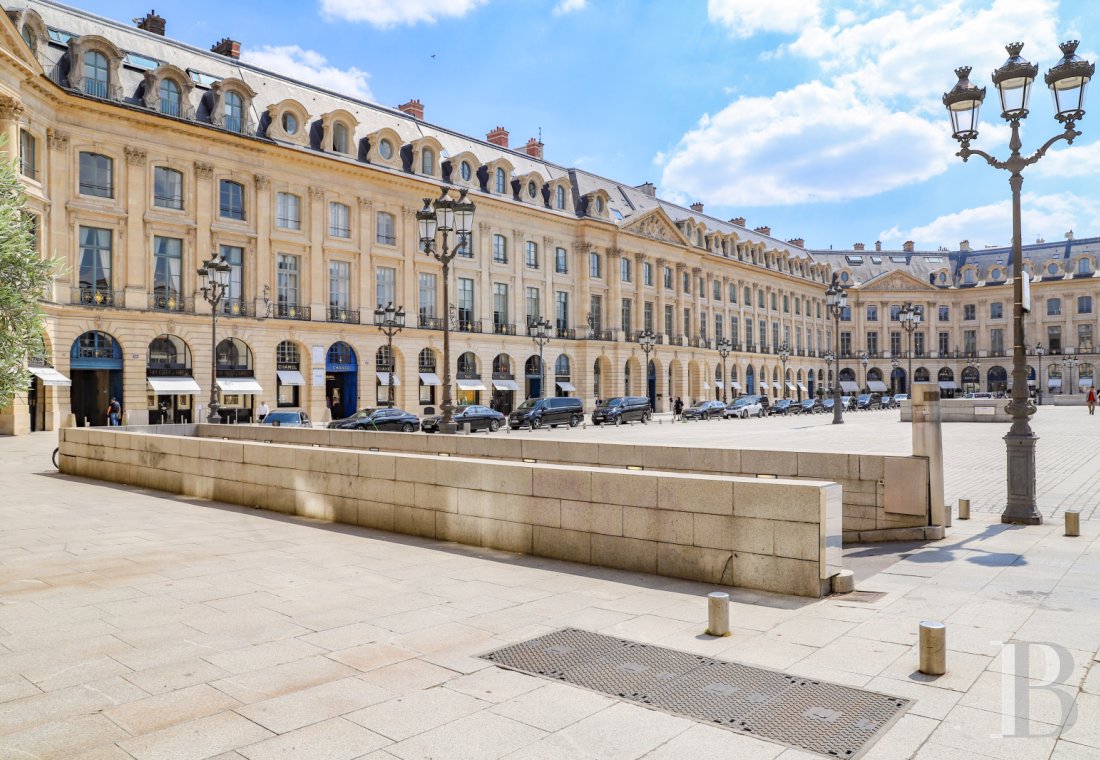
(479, 417)
(827, 404)
(811, 406)
(744, 406)
(536, 412)
(868, 401)
(785, 406)
(379, 418)
(978, 394)
(848, 403)
(704, 410)
(899, 397)
(889, 403)
(287, 419)
(620, 409)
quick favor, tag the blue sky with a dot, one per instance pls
(818, 118)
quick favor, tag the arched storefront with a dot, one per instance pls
(289, 380)
(971, 380)
(236, 377)
(429, 377)
(168, 372)
(342, 380)
(750, 380)
(719, 382)
(875, 382)
(1085, 377)
(674, 384)
(735, 383)
(632, 377)
(504, 384)
(997, 379)
(43, 377)
(95, 364)
(468, 380)
(601, 379)
(847, 379)
(532, 375)
(563, 376)
(386, 379)
(946, 380)
(898, 381)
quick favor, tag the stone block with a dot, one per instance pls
(624, 553)
(345, 510)
(872, 467)
(906, 486)
(712, 531)
(255, 454)
(483, 503)
(568, 545)
(658, 525)
(615, 454)
(627, 488)
(777, 500)
(458, 474)
(313, 505)
(413, 521)
(409, 468)
(562, 483)
(697, 564)
(756, 535)
(404, 493)
(376, 514)
(779, 575)
(823, 466)
(781, 463)
(798, 541)
(506, 477)
(436, 498)
(507, 536)
(591, 517)
(544, 451)
(696, 493)
(503, 447)
(462, 529)
(341, 462)
(532, 510)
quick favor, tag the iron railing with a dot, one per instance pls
(290, 311)
(344, 315)
(171, 302)
(96, 297)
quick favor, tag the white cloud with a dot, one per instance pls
(309, 66)
(744, 18)
(813, 143)
(1069, 161)
(569, 6)
(1042, 216)
(389, 13)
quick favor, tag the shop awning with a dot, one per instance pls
(239, 385)
(1085, 382)
(50, 376)
(877, 386)
(706, 385)
(505, 384)
(1054, 382)
(792, 387)
(473, 384)
(174, 386)
(430, 378)
(384, 379)
(849, 387)
(802, 388)
(290, 377)
(719, 384)
(947, 385)
(735, 385)
(776, 385)
(567, 386)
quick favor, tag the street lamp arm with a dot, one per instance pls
(1069, 136)
(966, 152)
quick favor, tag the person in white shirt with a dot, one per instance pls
(262, 411)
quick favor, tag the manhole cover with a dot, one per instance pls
(829, 719)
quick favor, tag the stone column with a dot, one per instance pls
(659, 317)
(678, 289)
(583, 293)
(639, 294)
(928, 442)
(696, 301)
(615, 294)
(132, 195)
(265, 264)
(10, 111)
(318, 274)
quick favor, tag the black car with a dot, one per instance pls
(784, 406)
(536, 412)
(811, 406)
(616, 411)
(478, 417)
(379, 418)
(284, 418)
(867, 401)
(704, 410)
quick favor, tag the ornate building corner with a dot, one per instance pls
(57, 140)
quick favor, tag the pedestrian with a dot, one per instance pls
(1091, 400)
(263, 411)
(678, 409)
(114, 413)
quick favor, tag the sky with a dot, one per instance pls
(821, 119)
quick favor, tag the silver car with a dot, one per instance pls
(745, 406)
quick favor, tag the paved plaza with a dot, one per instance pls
(136, 624)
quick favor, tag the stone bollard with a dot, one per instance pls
(933, 648)
(844, 582)
(70, 420)
(1073, 522)
(718, 614)
(466, 429)
(964, 509)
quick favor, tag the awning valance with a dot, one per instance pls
(947, 385)
(567, 386)
(473, 384)
(849, 387)
(504, 384)
(719, 384)
(384, 379)
(50, 376)
(802, 388)
(1054, 382)
(735, 385)
(706, 385)
(239, 385)
(430, 378)
(291, 377)
(791, 387)
(174, 386)
(777, 386)
(877, 386)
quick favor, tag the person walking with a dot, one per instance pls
(1091, 400)
(263, 411)
(114, 413)
(678, 409)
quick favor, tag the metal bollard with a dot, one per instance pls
(933, 648)
(1073, 522)
(964, 509)
(466, 429)
(718, 614)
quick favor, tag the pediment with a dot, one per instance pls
(657, 226)
(894, 282)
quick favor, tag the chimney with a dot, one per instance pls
(907, 246)
(151, 23)
(858, 247)
(648, 189)
(227, 47)
(498, 136)
(964, 245)
(413, 108)
(533, 148)
(1069, 235)
(797, 242)
(697, 207)
(763, 230)
(738, 220)
(878, 245)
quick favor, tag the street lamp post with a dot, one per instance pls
(784, 357)
(441, 217)
(828, 356)
(540, 333)
(864, 358)
(647, 340)
(836, 299)
(390, 322)
(893, 374)
(724, 347)
(1066, 80)
(1069, 363)
(910, 317)
(976, 364)
(1039, 351)
(214, 284)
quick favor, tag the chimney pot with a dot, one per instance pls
(413, 108)
(533, 148)
(498, 136)
(858, 247)
(797, 242)
(227, 47)
(151, 23)
(878, 245)
(764, 230)
(738, 220)
(648, 189)
(964, 245)
(908, 246)
(697, 207)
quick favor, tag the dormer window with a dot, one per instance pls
(170, 98)
(968, 277)
(96, 76)
(427, 161)
(1052, 268)
(339, 138)
(942, 278)
(501, 180)
(465, 171)
(599, 205)
(532, 191)
(559, 198)
(290, 123)
(1084, 266)
(385, 149)
(29, 38)
(233, 112)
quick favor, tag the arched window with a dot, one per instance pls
(921, 375)
(561, 366)
(339, 138)
(559, 198)
(28, 37)
(467, 365)
(427, 161)
(383, 358)
(502, 365)
(465, 171)
(168, 352)
(426, 360)
(968, 277)
(233, 354)
(96, 77)
(501, 180)
(1084, 266)
(287, 353)
(290, 123)
(170, 98)
(233, 112)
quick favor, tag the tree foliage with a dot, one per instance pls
(24, 282)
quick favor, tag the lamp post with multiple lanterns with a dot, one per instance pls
(976, 364)
(214, 284)
(724, 348)
(647, 340)
(1069, 362)
(1066, 80)
(1039, 351)
(390, 321)
(540, 333)
(910, 317)
(836, 299)
(893, 375)
(784, 357)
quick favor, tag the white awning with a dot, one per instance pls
(719, 384)
(430, 378)
(567, 386)
(1054, 382)
(290, 377)
(735, 385)
(471, 385)
(877, 386)
(947, 385)
(239, 385)
(384, 379)
(802, 388)
(181, 386)
(1085, 382)
(776, 385)
(706, 385)
(791, 387)
(505, 384)
(849, 387)
(50, 376)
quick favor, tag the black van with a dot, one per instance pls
(616, 411)
(536, 412)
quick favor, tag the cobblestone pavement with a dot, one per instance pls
(143, 626)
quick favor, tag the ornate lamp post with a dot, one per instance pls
(724, 347)
(1013, 80)
(893, 374)
(389, 322)
(647, 340)
(864, 358)
(1069, 363)
(784, 357)
(910, 317)
(214, 284)
(1039, 351)
(837, 301)
(540, 333)
(976, 364)
(444, 216)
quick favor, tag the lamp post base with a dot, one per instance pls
(212, 416)
(1020, 509)
(448, 428)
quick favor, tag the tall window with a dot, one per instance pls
(1054, 307)
(685, 282)
(170, 101)
(970, 342)
(534, 305)
(288, 285)
(647, 273)
(595, 265)
(500, 304)
(233, 112)
(624, 269)
(997, 341)
(895, 343)
(733, 292)
(383, 229)
(628, 315)
(561, 310)
(167, 259)
(1054, 339)
(385, 285)
(944, 342)
(559, 198)
(668, 278)
(500, 249)
(1084, 339)
(231, 203)
(996, 310)
(339, 137)
(872, 343)
(970, 312)
(28, 160)
(465, 300)
(748, 332)
(945, 313)
(670, 326)
(288, 211)
(339, 220)
(687, 322)
(845, 344)
(95, 263)
(96, 78)
(872, 314)
(426, 294)
(595, 313)
(718, 329)
(703, 325)
(464, 245)
(647, 316)
(167, 188)
(501, 181)
(735, 330)
(427, 161)
(1084, 304)
(233, 303)
(96, 175)
(339, 288)
(717, 291)
(561, 261)
(532, 255)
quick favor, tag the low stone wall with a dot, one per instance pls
(885, 497)
(965, 410)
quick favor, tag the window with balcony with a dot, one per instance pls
(231, 200)
(339, 220)
(670, 320)
(534, 305)
(339, 291)
(167, 260)
(997, 341)
(559, 198)
(561, 310)
(167, 188)
(465, 297)
(426, 295)
(385, 286)
(996, 310)
(872, 343)
(1054, 339)
(233, 303)
(384, 229)
(1084, 304)
(970, 342)
(170, 98)
(97, 79)
(1084, 339)
(288, 285)
(288, 211)
(500, 249)
(944, 341)
(96, 175)
(233, 112)
(627, 316)
(561, 261)
(595, 313)
(531, 255)
(95, 266)
(647, 316)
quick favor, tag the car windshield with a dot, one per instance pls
(281, 416)
(363, 413)
(528, 404)
(614, 402)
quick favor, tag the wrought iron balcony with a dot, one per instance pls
(469, 326)
(426, 322)
(290, 311)
(503, 328)
(675, 340)
(96, 297)
(566, 333)
(171, 302)
(342, 314)
(236, 307)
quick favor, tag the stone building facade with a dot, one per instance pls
(142, 157)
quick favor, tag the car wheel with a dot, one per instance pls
(574, 421)
(618, 420)
(407, 427)
(494, 425)
(536, 423)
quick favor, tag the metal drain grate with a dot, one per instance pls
(829, 719)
